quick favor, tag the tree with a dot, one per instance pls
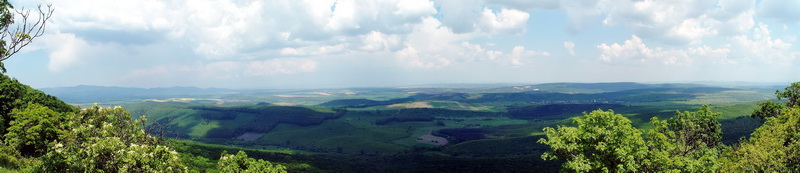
(10, 93)
(791, 94)
(773, 147)
(15, 95)
(687, 142)
(14, 38)
(696, 130)
(108, 140)
(602, 141)
(33, 129)
(241, 163)
(768, 108)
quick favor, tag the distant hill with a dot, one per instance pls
(84, 93)
(574, 88)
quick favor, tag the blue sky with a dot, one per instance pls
(345, 43)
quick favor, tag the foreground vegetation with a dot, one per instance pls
(603, 141)
(43, 134)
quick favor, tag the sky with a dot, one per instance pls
(347, 43)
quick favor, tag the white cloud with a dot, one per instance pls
(527, 4)
(763, 48)
(470, 16)
(570, 46)
(673, 22)
(471, 52)
(315, 50)
(460, 15)
(634, 51)
(377, 41)
(690, 30)
(354, 18)
(716, 56)
(235, 29)
(507, 21)
(66, 50)
(433, 45)
(519, 55)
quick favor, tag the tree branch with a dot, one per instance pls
(15, 38)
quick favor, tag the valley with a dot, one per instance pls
(389, 126)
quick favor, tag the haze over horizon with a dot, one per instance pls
(345, 43)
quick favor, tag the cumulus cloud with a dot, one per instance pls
(570, 46)
(673, 22)
(471, 16)
(519, 54)
(262, 30)
(635, 51)
(229, 29)
(377, 41)
(527, 4)
(507, 21)
(434, 45)
(763, 48)
(455, 14)
(67, 51)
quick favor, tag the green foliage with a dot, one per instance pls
(108, 140)
(198, 163)
(791, 94)
(772, 109)
(33, 128)
(14, 95)
(696, 130)
(773, 147)
(241, 163)
(767, 109)
(9, 157)
(10, 93)
(690, 141)
(602, 141)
